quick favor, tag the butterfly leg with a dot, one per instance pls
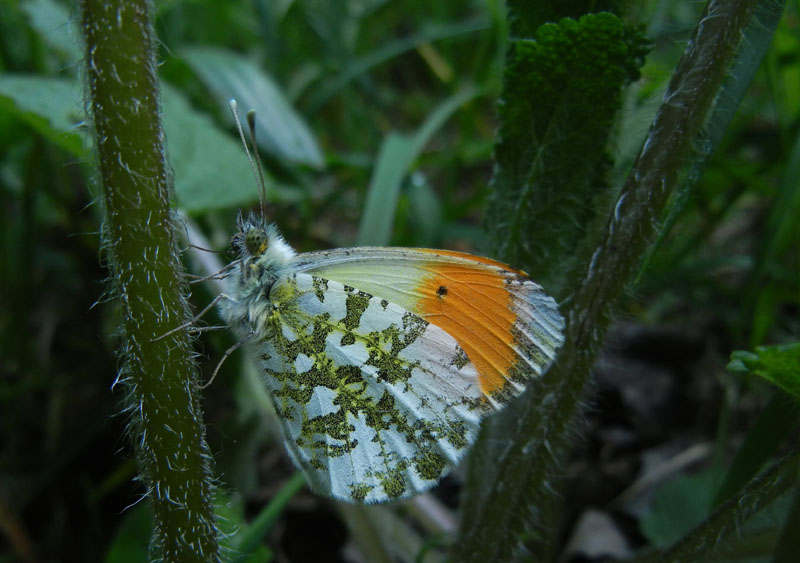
(196, 318)
(227, 353)
(218, 275)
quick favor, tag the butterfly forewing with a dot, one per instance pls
(508, 326)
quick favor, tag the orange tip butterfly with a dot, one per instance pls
(381, 362)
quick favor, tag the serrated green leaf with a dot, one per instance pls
(781, 366)
(742, 362)
(280, 130)
(777, 364)
(526, 17)
(52, 106)
(561, 92)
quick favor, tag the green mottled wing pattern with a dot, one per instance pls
(376, 403)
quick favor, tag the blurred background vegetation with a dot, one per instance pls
(400, 95)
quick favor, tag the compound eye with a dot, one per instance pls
(255, 241)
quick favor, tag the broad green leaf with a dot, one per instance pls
(211, 169)
(55, 27)
(678, 506)
(280, 130)
(131, 543)
(52, 106)
(779, 417)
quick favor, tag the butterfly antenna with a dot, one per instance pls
(251, 123)
(255, 164)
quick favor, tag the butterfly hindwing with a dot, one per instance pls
(377, 403)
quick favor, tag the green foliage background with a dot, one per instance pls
(380, 123)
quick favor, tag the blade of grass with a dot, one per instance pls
(776, 421)
(359, 66)
(396, 156)
(394, 159)
(247, 542)
(781, 231)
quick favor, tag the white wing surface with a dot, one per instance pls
(376, 402)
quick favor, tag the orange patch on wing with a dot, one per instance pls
(471, 304)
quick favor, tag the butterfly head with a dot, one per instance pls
(256, 241)
(261, 247)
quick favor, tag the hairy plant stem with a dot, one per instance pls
(160, 376)
(510, 511)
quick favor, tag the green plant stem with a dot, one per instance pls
(160, 376)
(698, 544)
(510, 511)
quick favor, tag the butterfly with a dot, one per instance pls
(382, 362)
